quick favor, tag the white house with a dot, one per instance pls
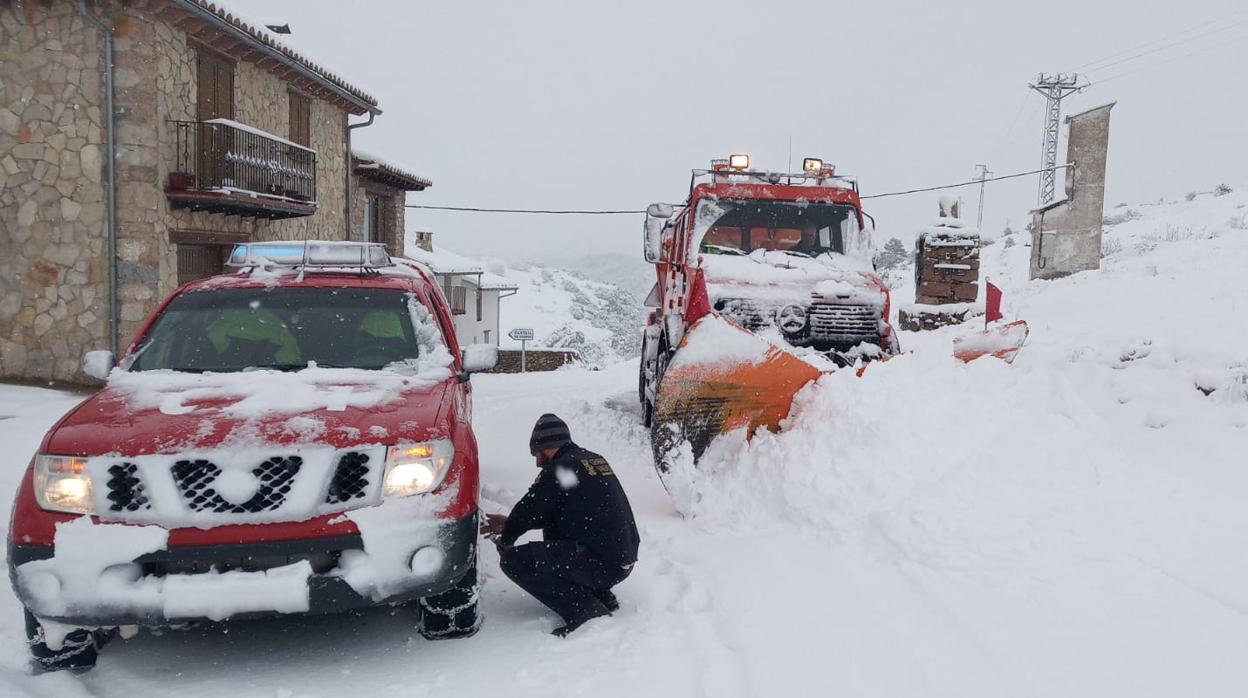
(474, 294)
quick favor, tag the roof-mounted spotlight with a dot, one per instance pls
(739, 161)
(812, 165)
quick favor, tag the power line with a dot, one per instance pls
(629, 212)
(969, 183)
(1146, 44)
(554, 212)
(1171, 60)
(1171, 45)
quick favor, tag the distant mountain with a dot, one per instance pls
(629, 272)
(600, 317)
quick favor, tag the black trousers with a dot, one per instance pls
(562, 574)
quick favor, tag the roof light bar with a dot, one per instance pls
(310, 253)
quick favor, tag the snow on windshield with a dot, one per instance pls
(377, 355)
(779, 242)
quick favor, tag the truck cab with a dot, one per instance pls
(788, 257)
(295, 437)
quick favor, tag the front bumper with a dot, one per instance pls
(261, 569)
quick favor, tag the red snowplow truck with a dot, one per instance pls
(765, 281)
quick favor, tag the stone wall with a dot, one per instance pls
(52, 198)
(536, 360)
(361, 187)
(53, 281)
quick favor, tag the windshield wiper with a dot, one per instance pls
(276, 367)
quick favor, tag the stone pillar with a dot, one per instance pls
(1066, 235)
(946, 273)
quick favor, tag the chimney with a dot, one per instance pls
(424, 240)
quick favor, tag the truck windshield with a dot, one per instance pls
(286, 328)
(737, 227)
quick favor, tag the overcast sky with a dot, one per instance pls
(609, 105)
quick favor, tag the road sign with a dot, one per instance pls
(521, 334)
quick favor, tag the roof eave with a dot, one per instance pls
(362, 105)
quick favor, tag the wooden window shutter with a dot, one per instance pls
(215, 97)
(300, 119)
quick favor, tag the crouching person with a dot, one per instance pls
(589, 536)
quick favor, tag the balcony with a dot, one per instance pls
(231, 168)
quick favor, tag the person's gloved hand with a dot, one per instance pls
(493, 524)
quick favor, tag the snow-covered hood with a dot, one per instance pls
(782, 277)
(153, 412)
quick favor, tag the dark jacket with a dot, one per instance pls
(577, 497)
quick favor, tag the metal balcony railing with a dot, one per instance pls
(227, 157)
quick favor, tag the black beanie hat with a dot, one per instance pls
(549, 432)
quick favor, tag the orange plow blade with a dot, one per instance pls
(722, 378)
(1001, 341)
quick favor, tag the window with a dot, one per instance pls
(300, 119)
(487, 336)
(459, 300)
(480, 304)
(215, 99)
(378, 216)
(285, 328)
(200, 261)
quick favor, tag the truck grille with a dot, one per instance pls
(843, 323)
(749, 314)
(125, 489)
(195, 478)
(350, 479)
(828, 325)
(352, 482)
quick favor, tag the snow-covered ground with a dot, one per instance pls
(1069, 525)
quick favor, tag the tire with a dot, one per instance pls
(78, 651)
(455, 612)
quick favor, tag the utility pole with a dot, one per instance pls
(983, 175)
(1055, 88)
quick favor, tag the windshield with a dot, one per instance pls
(737, 227)
(286, 328)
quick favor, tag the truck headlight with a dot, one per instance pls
(416, 468)
(62, 484)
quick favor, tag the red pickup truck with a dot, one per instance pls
(295, 437)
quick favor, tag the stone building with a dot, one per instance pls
(219, 134)
(377, 200)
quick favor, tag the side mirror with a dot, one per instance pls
(656, 217)
(479, 357)
(659, 211)
(98, 364)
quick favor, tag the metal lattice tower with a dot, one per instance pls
(1055, 88)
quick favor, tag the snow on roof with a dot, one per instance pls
(449, 263)
(256, 32)
(369, 165)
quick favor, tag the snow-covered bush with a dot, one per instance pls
(1110, 246)
(1116, 218)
